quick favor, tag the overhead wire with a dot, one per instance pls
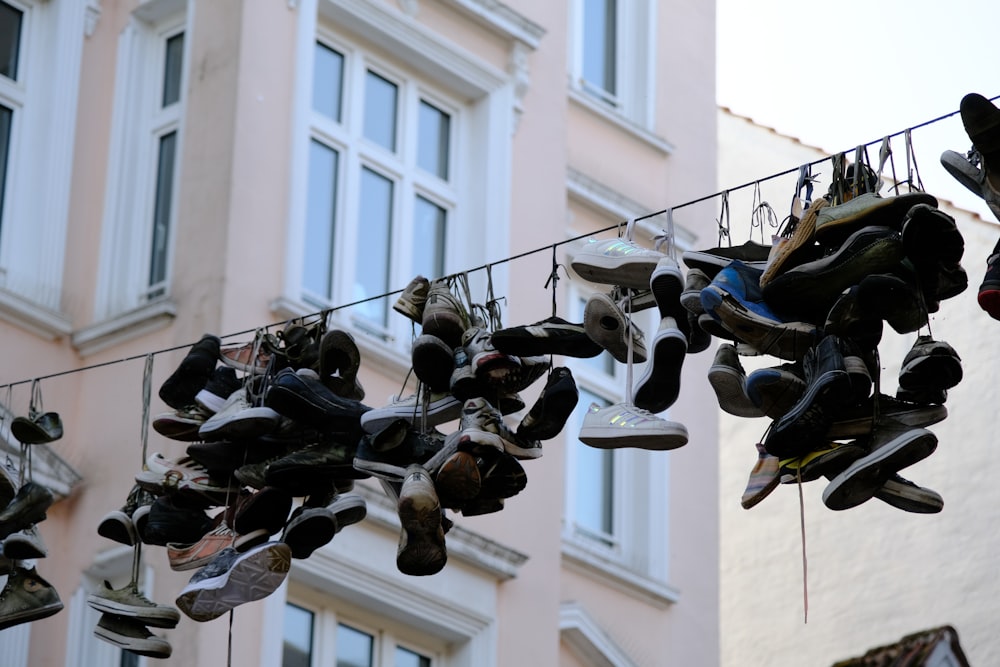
(489, 265)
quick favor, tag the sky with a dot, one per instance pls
(835, 75)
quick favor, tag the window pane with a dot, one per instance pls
(593, 478)
(354, 648)
(434, 137)
(297, 650)
(321, 212)
(172, 69)
(428, 238)
(374, 228)
(10, 39)
(6, 118)
(161, 212)
(405, 658)
(380, 111)
(129, 659)
(599, 44)
(328, 79)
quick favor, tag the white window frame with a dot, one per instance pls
(386, 633)
(478, 198)
(138, 123)
(635, 58)
(39, 166)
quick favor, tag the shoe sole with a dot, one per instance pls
(863, 478)
(916, 417)
(167, 617)
(253, 576)
(623, 272)
(420, 519)
(940, 369)
(660, 384)
(672, 435)
(151, 647)
(29, 615)
(916, 500)
(730, 390)
(608, 327)
(433, 362)
(458, 478)
(304, 536)
(667, 283)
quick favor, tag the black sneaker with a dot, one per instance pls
(192, 374)
(660, 384)
(37, 428)
(131, 635)
(339, 361)
(118, 525)
(552, 335)
(312, 467)
(391, 464)
(170, 520)
(930, 365)
(828, 389)
(28, 507)
(433, 362)
(554, 406)
(300, 396)
(220, 386)
(892, 447)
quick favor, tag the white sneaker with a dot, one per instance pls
(623, 425)
(441, 407)
(615, 262)
(238, 420)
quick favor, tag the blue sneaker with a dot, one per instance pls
(734, 299)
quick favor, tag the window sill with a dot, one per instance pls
(591, 562)
(589, 103)
(27, 314)
(124, 327)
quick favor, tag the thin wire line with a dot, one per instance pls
(551, 246)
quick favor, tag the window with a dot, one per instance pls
(40, 55)
(381, 198)
(401, 164)
(615, 517)
(612, 55)
(138, 234)
(354, 643)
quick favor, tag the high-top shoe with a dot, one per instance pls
(192, 374)
(132, 636)
(28, 507)
(444, 315)
(27, 597)
(828, 388)
(129, 602)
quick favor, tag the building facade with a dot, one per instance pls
(179, 167)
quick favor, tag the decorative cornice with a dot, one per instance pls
(501, 20)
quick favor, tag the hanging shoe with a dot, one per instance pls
(610, 328)
(179, 390)
(660, 384)
(764, 478)
(129, 602)
(615, 262)
(27, 597)
(37, 429)
(892, 447)
(233, 579)
(27, 508)
(549, 413)
(728, 381)
(24, 544)
(421, 548)
(132, 636)
(909, 497)
(930, 364)
(552, 335)
(622, 425)
(339, 362)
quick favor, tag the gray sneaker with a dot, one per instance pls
(610, 328)
(24, 544)
(132, 636)
(27, 597)
(411, 302)
(421, 549)
(129, 602)
(232, 579)
(728, 380)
